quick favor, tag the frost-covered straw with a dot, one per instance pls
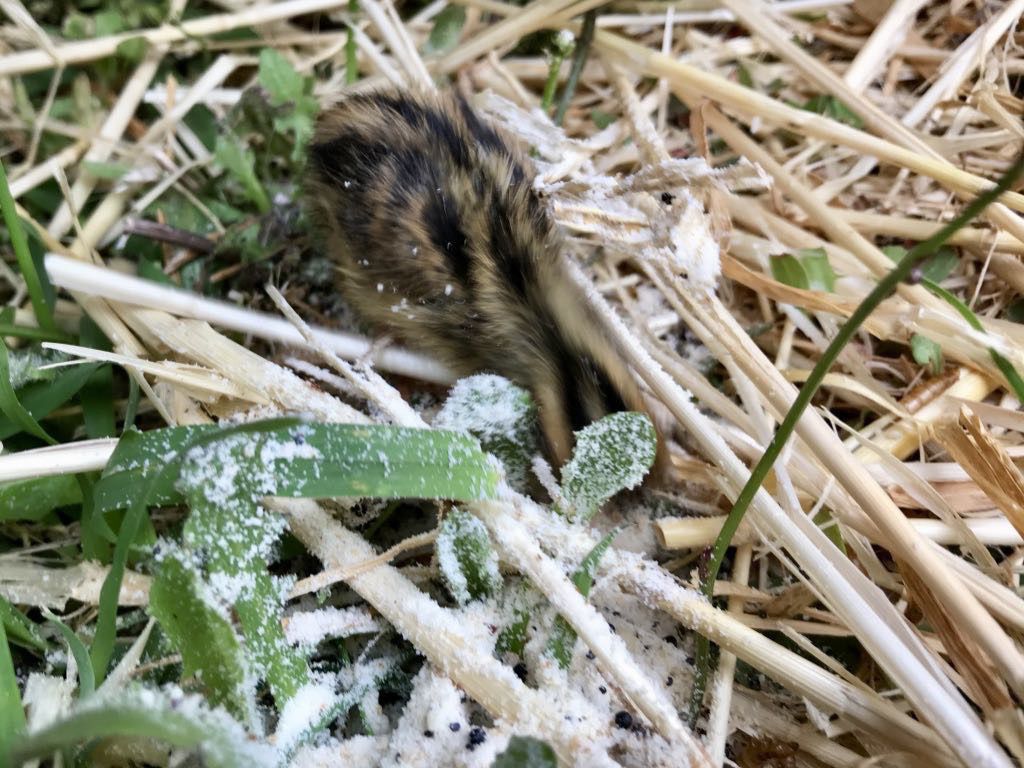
(850, 595)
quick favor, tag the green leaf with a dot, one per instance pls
(611, 455)
(926, 352)
(20, 629)
(501, 416)
(831, 106)
(97, 395)
(282, 457)
(41, 399)
(526, 752)
(563, 636)
(362, 461)
(512, 638)
(172, 718)
(34, 498)
(238, 160)
(234, 536)
(108, 171)
(820, 276)
(447, 29)
(602, 119)
(132, 49)
(830, 528)
(466, 559)
(26, 265)
(86, 678)
(939, 266)
(279, 78)
(12, 715)
(1015, 312)
(12, 407)
(788, 270)
(203, 636)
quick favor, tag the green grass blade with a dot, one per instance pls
(12, 715)
(86, 678)
(171, 719)
(12, 407)
(19, 242)
(42, 398)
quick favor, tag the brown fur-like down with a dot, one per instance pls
(441, 240)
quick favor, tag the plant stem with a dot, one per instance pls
(579, 60)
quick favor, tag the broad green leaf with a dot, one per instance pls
(132, 49)
(501, 416)
(279, 78)
(926, 352)
(602, 119)
(611, 455)
(35, 498)
(820, 276)
(318, 461)
(512, 638)
(238, 160)
(236, 537)
(203, 636)
(939, 266)
(466, 559)
(936, 269)
(788, 270)
(447, 29)
(526, 752)
(172, 717)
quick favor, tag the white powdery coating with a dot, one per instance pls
(354, 752)
(446, 545)
(486, 405)
(434, 705)
(313, 627)
(303, 711)
(695, 250)
(226, 739)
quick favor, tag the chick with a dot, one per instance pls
(441, 241)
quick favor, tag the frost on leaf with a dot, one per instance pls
(200, 631)
(611, 455)
(501, 416)
(526, 752)
(465, 557)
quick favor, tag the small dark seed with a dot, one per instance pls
(602, 689)
(590, 656)
(429, 734)
(667, 198)
(669, 681)
(477, 736)
(520, 671)
(671, 640)
(623, 719)
(454, 727)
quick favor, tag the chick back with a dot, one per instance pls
(441, 240)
